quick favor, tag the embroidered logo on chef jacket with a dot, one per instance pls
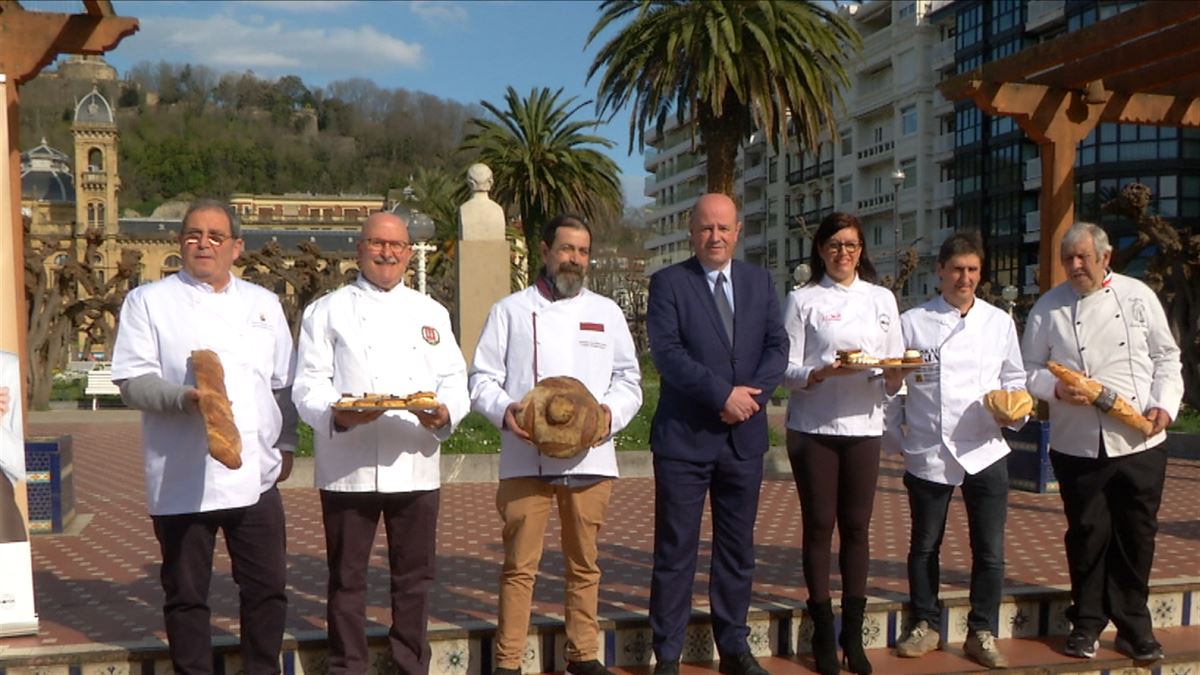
(885, 322)
(431, 335)
(586, 327)
(834, 316)
(1138, 312)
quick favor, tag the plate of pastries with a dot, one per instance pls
(421, 400)
(857, 359)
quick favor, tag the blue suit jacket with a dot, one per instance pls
(699, 367)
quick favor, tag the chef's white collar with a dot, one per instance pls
(195, 283)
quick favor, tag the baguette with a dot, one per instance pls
(224, 439)
(1107, 400)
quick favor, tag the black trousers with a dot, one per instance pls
(256, 540)
(410, 521)
(1111, 505)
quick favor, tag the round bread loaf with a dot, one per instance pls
(1009, 405)
(562, 416)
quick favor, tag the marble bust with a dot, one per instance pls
(480, 218)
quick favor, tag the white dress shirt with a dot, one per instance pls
(161, 324)
(1117, 335)
(820, 319)
(528, 337)
(362, 339)
(949, 432)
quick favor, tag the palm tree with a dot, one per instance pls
(729, 66)
(542, 162)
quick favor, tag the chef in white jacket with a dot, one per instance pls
(950, 439)
(1111, 328)
(554, 327)
(379, 336)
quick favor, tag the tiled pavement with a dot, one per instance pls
(99, 586)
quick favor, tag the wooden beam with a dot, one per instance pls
(1157, 76)
(1150, 50)
(1164, 111)
(1144, 19)
(99, 7)
(32, 40)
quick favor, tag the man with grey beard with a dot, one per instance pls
(555, 327)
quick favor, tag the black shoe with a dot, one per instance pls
(1146, 649)
(824, 644)
(1081, 645)
(506, 671)
(741, 664)
(854, 657)
(666, 668)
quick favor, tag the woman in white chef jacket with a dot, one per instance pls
(835, 423)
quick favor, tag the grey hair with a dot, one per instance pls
(1079, 230)
(205, 204)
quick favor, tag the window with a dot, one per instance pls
(968, 27)
(909, 167)
(845, 190)
(878, 134)
(878, 185)
(906, 10)
(847, 142)
(908, 120)
(95, 160)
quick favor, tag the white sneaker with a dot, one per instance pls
(981, 648)
(921, 640)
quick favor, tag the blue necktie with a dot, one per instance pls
(723, 307)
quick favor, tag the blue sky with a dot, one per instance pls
(466, 51)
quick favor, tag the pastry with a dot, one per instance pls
(425, 400)
(848, 355)
(562, 417)
(1107, 400)
(1008, 405)
(912, 356)
(891, 361)
(224, 439)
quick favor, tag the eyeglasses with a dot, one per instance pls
(847, 246)
(380, 244)
(214, 239)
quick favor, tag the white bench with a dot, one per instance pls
(100, 383)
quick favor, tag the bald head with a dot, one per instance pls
(714, 230)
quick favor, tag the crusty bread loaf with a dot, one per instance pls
(1112, 403)
(224, 439)
(562, 417)
(1008, 406)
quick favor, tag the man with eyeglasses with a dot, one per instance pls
(190, 495)
(1112, 328)
(379, 336)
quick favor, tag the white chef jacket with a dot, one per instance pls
(949, 431)
(1117, 335)
(364, 339)
(12, 433)
(161, 324)
(820, 319)
(528, 337)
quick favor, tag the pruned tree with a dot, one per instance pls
(68, 298)
(297, 277)
(1173, 272)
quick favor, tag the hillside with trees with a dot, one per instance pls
(185, 129)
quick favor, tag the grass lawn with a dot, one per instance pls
(1188, 422)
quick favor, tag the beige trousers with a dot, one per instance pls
(524, 505)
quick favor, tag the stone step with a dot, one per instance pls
(1031, 630)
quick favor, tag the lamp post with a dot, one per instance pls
(801, 274)
(898, 177)
(1009, 293)
(420, 228)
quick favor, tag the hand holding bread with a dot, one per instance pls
(1107, 400)
(1008, 406)
(561, 417)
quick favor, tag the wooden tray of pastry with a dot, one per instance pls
(883, 365)
(422, 400)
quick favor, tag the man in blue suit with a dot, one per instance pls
(717, 338)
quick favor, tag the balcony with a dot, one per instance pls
(94, 178)
(1033, 227)
(795, 177)
(941, 104)
(876, 153)
(876, 204)
(943, 194)
(943, 54)
(1041, 13)
(754, 174)
(826, 169)
(943, 146)
(755, 208)
(651, 186)
(876, 49)
(872, 93)
(1033, 173)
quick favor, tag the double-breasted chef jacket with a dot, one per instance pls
(161, 324)
(528, 337)
(1117, 335)
(820, 319)
(364, 339)
(948, 432)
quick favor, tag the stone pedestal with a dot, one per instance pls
(483, 279)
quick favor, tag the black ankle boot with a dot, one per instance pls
(824, 649)
(851, 637)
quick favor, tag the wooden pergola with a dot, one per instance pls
(1139, 67)
(30, 41)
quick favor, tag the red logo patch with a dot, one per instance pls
(598, 327)
(431, 335)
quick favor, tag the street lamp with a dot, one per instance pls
(420, 229)
(801, 274)
(898, 177)
(1009, 293)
